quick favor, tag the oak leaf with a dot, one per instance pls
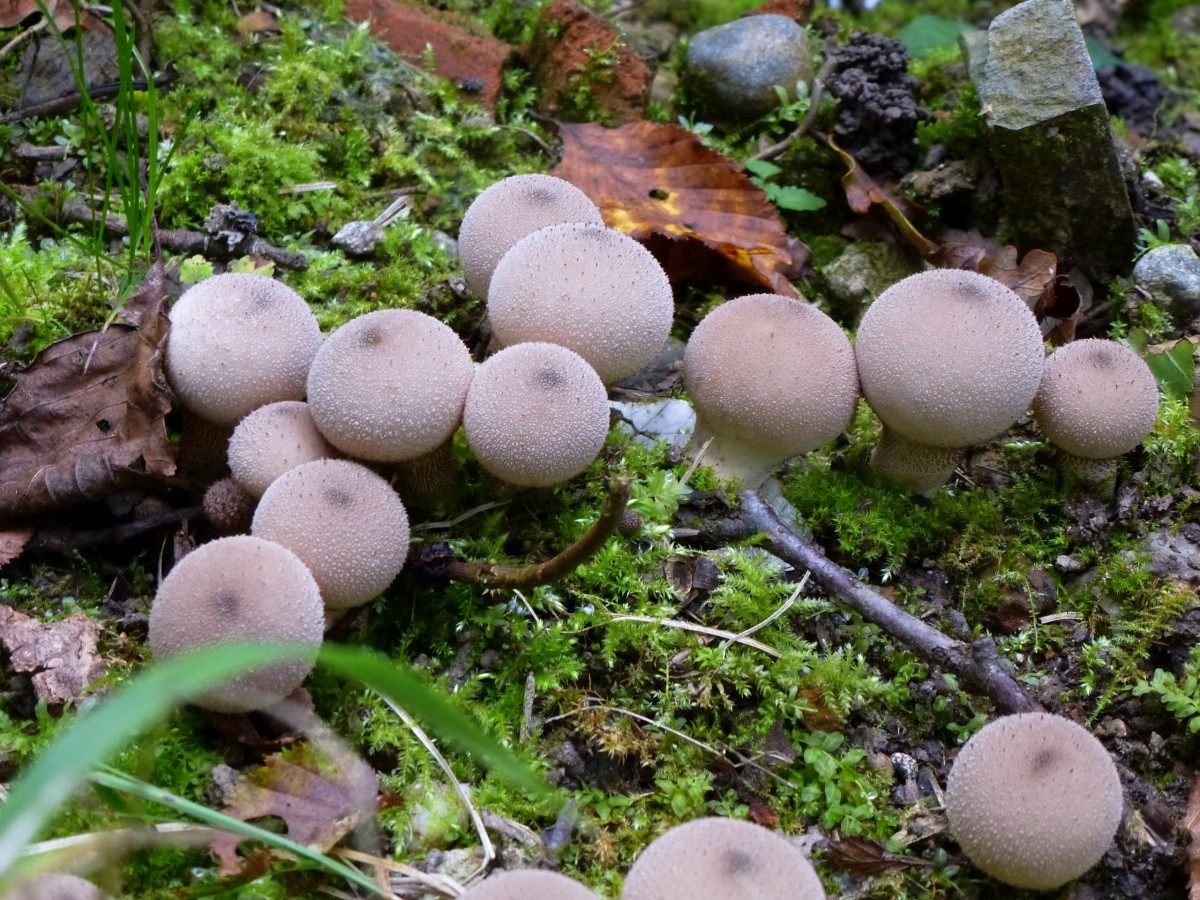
(86, 418)
(691, 206)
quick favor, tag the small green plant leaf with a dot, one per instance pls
(761, 168)
(797, 199)
(1175, 369)
(194, 269)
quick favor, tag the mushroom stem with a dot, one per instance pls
(1097, 477)
(916, 467)
(731, 459)
(536, 574)
(977, 663)
(425, 481)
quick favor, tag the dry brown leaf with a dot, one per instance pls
(12, 542)
(14, 12)
(321, 792)
(861, 856)
(689, 204)
(1191, 824)
(62, 655)
(86, 417)
(258, 21)
(1029, 279)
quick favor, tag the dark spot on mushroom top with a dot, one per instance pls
(228, 603)
(262, 302)
(1044, 760)
(336, 496)
(738, 861)
(550, 379)
(539, 195)
(369, 337)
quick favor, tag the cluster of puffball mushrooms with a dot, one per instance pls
(946, 358)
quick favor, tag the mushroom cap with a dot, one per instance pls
(774, 373)
(726, 858)
(239, 341)
(271, 440)
(240, 589)
(587, 288)
(509, 210)
(528, 884)
(1098, 399)
(1033, 800)
(54, 886)
(228, 507)
(949, 358)
(343, 521)
(389, 385)
(536, 414)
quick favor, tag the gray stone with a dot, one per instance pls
(1171, 273)
(732, 70)
(359, 238)
(865, 270)
(1175, 554)
(1048, 132)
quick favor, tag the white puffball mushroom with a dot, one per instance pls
(55, 886)
(587, 288)
(536, 414)
(509, 210)
(237, 342)
(1033, 800)
(770, 378)
(343, 521)
(726, 858)
(1097, 401)
(271, 440)
(390, 385)
(528, 884)
(947, 359)
(240, 589)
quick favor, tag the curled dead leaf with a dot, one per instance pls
(61, 655)
(690, 205)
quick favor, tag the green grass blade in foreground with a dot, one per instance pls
(102, 730)
(119, 781)
(433, 711)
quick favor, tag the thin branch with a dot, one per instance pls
(65, 542)
(729, 636)
(818, 93)
(977, 663)
(535, 574)
(72, 99)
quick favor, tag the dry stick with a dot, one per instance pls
(521, 577)
(977, 663)
(64, 541)
(70, 100)
(818, 92)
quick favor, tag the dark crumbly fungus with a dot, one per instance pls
(509, 210)
(240, 589)
(271, 440)
(726, 858)
(587, 288)
(1034, 800)
(528, 884)
(343, 521)
(237, 342)
(390, 385)
(947, 359)
(536, 414)
(770, 378)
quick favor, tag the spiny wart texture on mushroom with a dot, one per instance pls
(536, 414)
(343, 521)
(771, 378)
(240, 590)
(237, 342)
(726, 858)
(390, 385)
(528, 884)
(271, 440)
(509, 210)
(1097, 400)
(587, 288)
(1033, 800)
(949, 358)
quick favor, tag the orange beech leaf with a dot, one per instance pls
(690, 205)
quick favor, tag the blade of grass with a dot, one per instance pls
(119, 781)
(433, 711)
(105, 728)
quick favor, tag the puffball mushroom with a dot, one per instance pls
(237, 342)
(343, 521)
(1097, 401)
(390, 385)
(528, 884)
(509, 210)
(240, 589)
(947, 358)
(271, 440)
(55, 887)
(1034, 800)
(770, 378)
(536, 414)
(587, 288)
(726, 858)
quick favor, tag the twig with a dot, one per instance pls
(977, 663)
(729, 636)
(787, 604)
(64, 541)
(70, 100)
(818, 93)
(535, 574)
